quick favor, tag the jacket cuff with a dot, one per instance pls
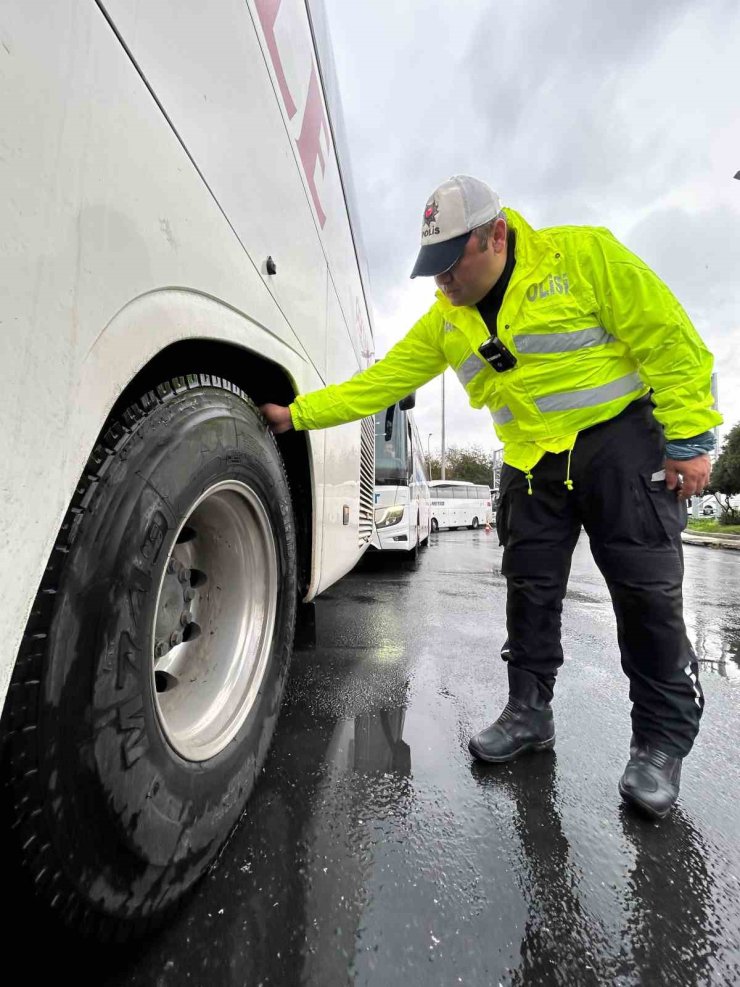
(690, 448)
(296, 418)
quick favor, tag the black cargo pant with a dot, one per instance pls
(634, 524)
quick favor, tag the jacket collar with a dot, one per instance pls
(531, 247)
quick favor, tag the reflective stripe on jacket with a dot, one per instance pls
(592, 329)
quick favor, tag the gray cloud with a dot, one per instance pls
(555, 110)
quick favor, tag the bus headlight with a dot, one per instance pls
(385, 516)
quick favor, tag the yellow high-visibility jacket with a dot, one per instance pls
(592, 329)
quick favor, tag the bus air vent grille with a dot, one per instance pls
(367, 479)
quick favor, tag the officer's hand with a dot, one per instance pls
(278, 417)
(688, 476)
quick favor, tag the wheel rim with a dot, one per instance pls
(214, 620)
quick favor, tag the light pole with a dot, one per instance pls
(429, 454)
(443, 463)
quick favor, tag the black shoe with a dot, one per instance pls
(520, 728)
(651, 780)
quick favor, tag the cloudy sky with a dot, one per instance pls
(623, 114)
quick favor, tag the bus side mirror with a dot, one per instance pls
(407, 403)
(388, 430)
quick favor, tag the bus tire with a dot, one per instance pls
(475, 523)
(124, 772)
(434, 524)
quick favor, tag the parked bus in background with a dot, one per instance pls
(457, 504)
(402, 511)
(177, 249)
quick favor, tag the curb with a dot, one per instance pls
(710, 541)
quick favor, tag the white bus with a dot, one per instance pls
(402, 510)
(457, 504)
(176, 249)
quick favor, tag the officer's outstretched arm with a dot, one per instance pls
(412, 362)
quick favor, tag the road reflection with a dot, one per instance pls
(372, 743)
(669, 878)
(558, 936)
(716, 640)
(369, 751)
(712, 609)
(669, 934)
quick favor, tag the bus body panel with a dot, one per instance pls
(415, 522)
(340, 489)
(200, 67)
(114, 247)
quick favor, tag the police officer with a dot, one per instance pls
(599, 389)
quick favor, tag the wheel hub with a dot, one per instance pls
(215, 619)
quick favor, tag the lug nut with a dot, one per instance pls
(186, 618)
(184, 575)
(159, 649)
(189, 594)
(175, 638)
(171, 566)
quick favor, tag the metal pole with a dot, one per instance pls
(715, 405)
(497, 462)
(443, 475)
(698, 502)
(429, 454)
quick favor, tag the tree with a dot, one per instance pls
(725, 479)
(471, 463)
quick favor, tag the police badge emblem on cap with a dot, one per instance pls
(452, 211)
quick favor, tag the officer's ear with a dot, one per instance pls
(498, 237)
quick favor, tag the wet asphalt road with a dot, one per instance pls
(375, 852)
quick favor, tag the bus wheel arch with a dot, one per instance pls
(261, 380)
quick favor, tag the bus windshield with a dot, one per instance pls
(391, 448)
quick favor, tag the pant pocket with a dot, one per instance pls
(503, 505)
(664, 516)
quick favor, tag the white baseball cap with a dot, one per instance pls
(453, 210)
